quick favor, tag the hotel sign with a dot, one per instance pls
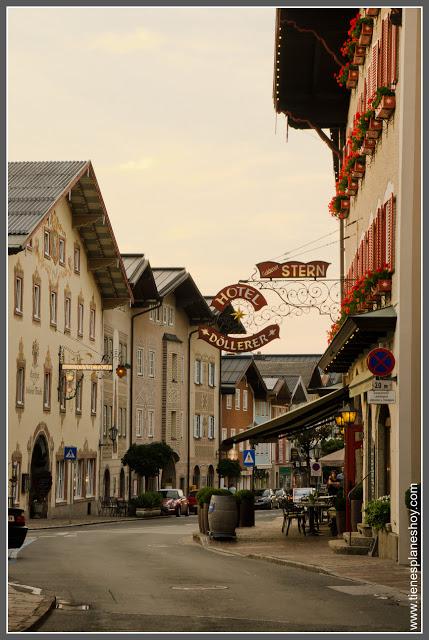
(238, 291)
(294, 269)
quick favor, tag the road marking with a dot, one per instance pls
(201, 587)
(34, 590)
(378, 591)
(13, 553)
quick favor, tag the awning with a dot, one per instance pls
(358, 334)
(310, 415)
(334, 459)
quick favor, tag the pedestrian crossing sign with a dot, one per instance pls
(70, 453)
(249, 457)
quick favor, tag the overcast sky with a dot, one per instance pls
(174, 109)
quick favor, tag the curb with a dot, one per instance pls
(204, 541)
(42, 610)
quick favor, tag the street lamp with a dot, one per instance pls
(317, 451)
(121, 370)
(113, 433)
(348, 414)
(339, 420)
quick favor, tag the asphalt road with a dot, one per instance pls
(150, 576)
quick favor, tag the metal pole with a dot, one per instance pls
(342, 259)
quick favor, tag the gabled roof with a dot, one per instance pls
(233, 370)
(283, 365)
(141, 278)
(225, 321)
(188, 297)
(34, 188)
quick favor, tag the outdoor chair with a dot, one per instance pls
(293, 512)
(121, 507)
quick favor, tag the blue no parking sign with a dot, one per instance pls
(381, 362)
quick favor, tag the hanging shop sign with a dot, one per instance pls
(380, 362)
(244, 342)
(293, 269)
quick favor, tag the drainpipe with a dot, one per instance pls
(141, 313)
(219, 453)
(188, 444)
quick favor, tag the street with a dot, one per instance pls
(151, 576)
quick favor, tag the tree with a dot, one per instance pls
(148, 459)
(308, 439)
(229, 469)
(329, 445)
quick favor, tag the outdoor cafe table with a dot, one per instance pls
(311, 506)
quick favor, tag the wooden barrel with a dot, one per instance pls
(222, 516)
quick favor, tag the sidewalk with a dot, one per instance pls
(266, 542)
(26, 606)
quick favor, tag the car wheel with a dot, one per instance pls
(178, 512)
(187, 512)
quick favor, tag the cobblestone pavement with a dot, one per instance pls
(26, 606)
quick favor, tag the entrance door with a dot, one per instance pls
(122, 484)
(106, 483)
(40, 479)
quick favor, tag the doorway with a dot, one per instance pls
(106, 483)
(40, 479)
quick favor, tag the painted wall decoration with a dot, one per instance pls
(293, 269)
(242, 343)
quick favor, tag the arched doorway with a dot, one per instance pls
(196, 477)
(168, 477)
(122, 484)
(40, 479)
(106, 483)
(210, 476)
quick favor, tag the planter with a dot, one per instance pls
(205, 518)
(358, 170)
(200, 519)
(386, 107)
(375, 128)
(365, 35)
(355, 513)
(383, 286)
(371, 12)
(345, 205)
(222, 516)
(368, 146)
(352, 79)
(359, 55)
(246, 512)
(352, 187)
(147, 513)
(340, 517)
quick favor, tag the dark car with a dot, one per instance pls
(264, 498)
(173, 501)
(192, 501)
(17, 530)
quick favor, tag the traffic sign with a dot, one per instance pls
(380, 396)
(249, 457)
(316, 469)
(70, 453)
(382, 385)
(381, 362)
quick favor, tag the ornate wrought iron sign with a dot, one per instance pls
(314, 269)
(250, 296)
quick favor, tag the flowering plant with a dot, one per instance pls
(343, 74)
(335, 206)
(377, 512)
(356, 25)
(380, 92)
(361, 124)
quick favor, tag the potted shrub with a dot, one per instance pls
(147, 504)
(246, 508)
(203, 497)
(377, 513)
(340, 513)
(200, 499)
(356, 498)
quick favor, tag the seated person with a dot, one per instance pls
(333, 483)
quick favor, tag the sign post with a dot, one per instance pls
(249, 458)
(70, 454)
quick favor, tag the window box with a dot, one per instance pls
(352, 78)
(372, 12)
(375, 127)
(365, 35)
(352, 187)
(386, 107)
(382, 287)
(359, 55)
(345, 204)
(358, 170)
(368, 146)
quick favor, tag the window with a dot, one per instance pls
(47, 244)
(164, 314)
(63, 392)
(53, 307)
(245, 394)
(224, 434)
(123, 422)
(212, 369)
(20, 382)
(78, 487)
(90, 476)
(170, 316)
(105, 419)
(139, 362)
(80, 319)
(211, 429)
(47, 391)
(197, 426)
(92, 324)
(150, 425)
(152, 315)
(18, 295)
(122, 353)
(158, 315)
(237, 398)
(67, 313)
(78, 396)
(62, 251)
(241, 444)
(36, 301)
(60, 488)
(182, 368)
(233, 434)
(77, 259)
(108, 349)
(151, 364)
(139, 423)
(198, 368)
(93, 398)
(181, 425)
(229, 401)
(174, 368)
(174, 425)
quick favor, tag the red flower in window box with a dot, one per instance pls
(385, 107)
(375, 127)
(358, 170)
(352, 78)
(352, 186)
(359, 55)
(383, 285)
(365, 34)
(368, 146)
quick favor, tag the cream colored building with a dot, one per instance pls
(64, 270)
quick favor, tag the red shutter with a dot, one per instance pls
(382, 231)
(390, 232)
(369, 83)
(394, 55)
(371, 234)
(360, 260)
(373, 70)
(384, 52)
(365, 93)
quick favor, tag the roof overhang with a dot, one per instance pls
(310, 415)
(191, 300)
(357, 334)
(304, 70)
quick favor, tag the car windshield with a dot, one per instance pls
(261, 492)
(167, 493)
(279, 492)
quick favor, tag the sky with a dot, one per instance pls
(173, 106)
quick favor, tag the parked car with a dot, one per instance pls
(192, 501)
(174, 501)
(17, 530)
(281, 498)
(264, 498)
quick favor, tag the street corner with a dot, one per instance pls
(27, 606)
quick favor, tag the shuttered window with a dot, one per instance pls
(390, 232)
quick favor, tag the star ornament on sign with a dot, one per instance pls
(243, 343)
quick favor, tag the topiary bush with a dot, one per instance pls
(148, 500)
(244, 494)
